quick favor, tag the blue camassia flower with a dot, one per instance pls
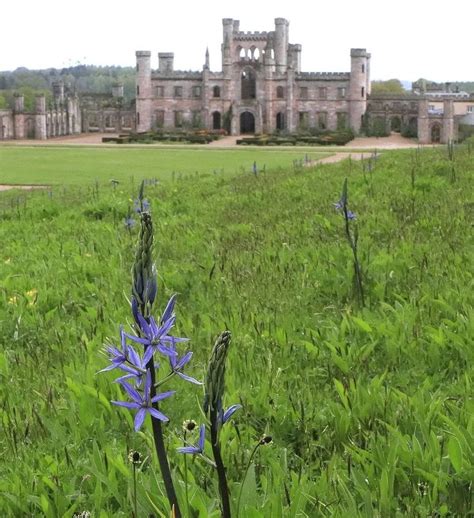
(199, 447)
(157, 336)
(143, 403)
(177, 366)
(225, 416)
(129, 223)
(141, 205)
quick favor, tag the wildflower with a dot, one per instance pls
(266, 440)
(141, 205)
(341, 205)
(156, 336)
(216, 374)
(189, 425)
(143, 403)
(137, 366)
(129, 223)
(225, 416)
(117, 357)
(177, 366)
(199, 447)
(134, 457)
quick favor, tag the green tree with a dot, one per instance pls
(392, 86)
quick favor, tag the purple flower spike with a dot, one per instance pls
(199, 447)
(137, 365)
(143, 403)
(229, 413)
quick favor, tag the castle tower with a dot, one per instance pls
(143, 90)
(294, 57)
(423, 122)
(117, 90)
(281, 44)
(228, 30)
(40, 118)
(165, 62)
(447, 132)
(19, 117)
(359, 87)
(58, 93)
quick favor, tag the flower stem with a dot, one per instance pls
(216, 450)
(252, 455)
(161, 450)
(135, 491)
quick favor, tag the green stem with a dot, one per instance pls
(252, 455)
(220, 468)
(135, 491)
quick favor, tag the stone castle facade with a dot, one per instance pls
(260, 88)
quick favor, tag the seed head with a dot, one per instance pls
(134, 457)
(266, 440)
(189, 425)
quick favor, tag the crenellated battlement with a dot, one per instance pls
(321, 76)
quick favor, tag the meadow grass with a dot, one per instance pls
(85, 165)
(370, 409)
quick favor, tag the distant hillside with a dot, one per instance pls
(81, 78)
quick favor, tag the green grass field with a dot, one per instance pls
(85, 165)
(370, 408)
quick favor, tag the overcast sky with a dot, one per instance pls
(408, 39)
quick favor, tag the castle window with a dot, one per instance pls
(216, 91)
(138, 118)
(304, 92)
(280, 92)
(470, 109)
(322, 120)
(341, 120)
(196, 91)
(280, 121)
(178, 91)
(363, 68)
(178, 119)
(323, 92)
(159, 118)
(138, 90)
(159, 91)
(362, 92)
(196, 119)
(341, 93)
(303, 120)
(248, 84)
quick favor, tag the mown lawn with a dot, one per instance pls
(82, 166)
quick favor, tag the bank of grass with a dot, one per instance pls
(370, 409)
(84, 165)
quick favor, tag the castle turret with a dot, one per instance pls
(423, 122)
(359, 87)
(228, 30)
(294, 57)
(165, 62)
(19, 117)
(206, 62)
(58, 93)
(447, 133)
(117, 90)
(143, 104)
(40, 118)
(281, 44)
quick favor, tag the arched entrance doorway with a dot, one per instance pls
(280, 121)
(436, 133)
(247, 122)
(396, 124)
(216, 121)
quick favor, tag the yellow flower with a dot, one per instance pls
(32, 296)
(7, 260)
(13, 300)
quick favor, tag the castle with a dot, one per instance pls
(260, 89)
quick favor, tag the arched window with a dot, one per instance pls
(249, 89)
(216, 91)
(280, 121)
